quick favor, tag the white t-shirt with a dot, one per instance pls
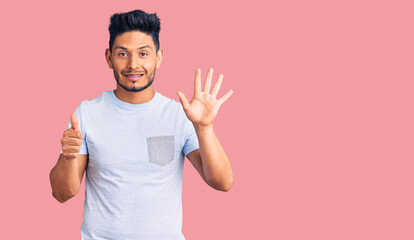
(133, 183)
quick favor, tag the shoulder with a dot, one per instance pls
(171, 109)
(95, 102)
(169, 104)
(88, 110)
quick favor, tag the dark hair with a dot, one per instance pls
(136, 20)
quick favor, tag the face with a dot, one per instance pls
(134, 60)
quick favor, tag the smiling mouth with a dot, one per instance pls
(133, 77)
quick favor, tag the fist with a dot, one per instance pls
(72, 140)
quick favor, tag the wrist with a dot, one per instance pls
(69, 158)
(203, 128)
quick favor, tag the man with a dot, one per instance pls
(132, 142)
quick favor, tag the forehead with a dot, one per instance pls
(134, 39)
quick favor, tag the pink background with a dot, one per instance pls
(319, 128)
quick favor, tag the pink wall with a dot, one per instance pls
(319, 128)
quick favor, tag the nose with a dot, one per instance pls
(133, 62)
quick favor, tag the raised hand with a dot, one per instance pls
(204, 106)
(72, 139)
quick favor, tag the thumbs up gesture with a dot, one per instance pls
(72, 140)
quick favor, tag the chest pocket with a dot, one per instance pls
(161, 149)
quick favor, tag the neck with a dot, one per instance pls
(143, 96)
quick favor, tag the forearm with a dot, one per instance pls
(216, 164)
(64, 179)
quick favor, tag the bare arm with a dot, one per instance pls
(66, 176)
(211, 161)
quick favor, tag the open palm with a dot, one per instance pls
(204, 106)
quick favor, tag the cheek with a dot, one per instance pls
(150, 64)
(118, 65)
(114, 68)
(117, 71)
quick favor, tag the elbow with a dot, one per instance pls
(63, 191)
(227, 187)
(62, 198)
(223, 186)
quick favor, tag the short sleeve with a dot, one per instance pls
(191, 141)
(84, 147)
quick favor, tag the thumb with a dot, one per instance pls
(183, 100)
(75, 122)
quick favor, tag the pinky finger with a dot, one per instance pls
(225, 97)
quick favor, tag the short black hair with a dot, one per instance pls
(135, 20)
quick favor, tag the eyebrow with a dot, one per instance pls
(124, 48)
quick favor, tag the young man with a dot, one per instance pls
(132, 142)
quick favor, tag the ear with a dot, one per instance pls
(160, 56)
(108, 58)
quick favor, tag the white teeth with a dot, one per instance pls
(134, 75)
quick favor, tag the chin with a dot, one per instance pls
(135, 88)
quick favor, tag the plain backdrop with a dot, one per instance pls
(319, 128)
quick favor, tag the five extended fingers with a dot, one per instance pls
(205, 94)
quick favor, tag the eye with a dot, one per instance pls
(143, 54)
(123, 54)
